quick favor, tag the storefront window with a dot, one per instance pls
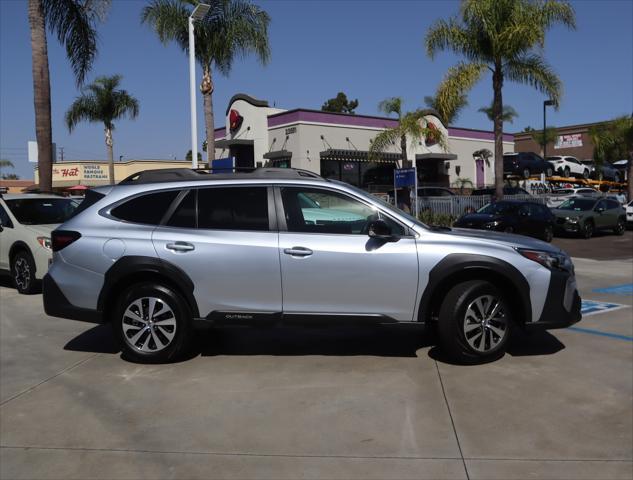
(350, 173)
(370, 176)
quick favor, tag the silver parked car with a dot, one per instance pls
(165, 252)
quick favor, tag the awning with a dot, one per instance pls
(278, 155)
(436, 156)
(358, 156)
(229, 142)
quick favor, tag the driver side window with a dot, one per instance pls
(314, 210)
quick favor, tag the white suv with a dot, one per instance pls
(26, 222)
(560, 195)
(569, 166)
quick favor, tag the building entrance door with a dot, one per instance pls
(479, 172)
(244, 156)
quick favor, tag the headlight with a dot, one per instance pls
(492, 224)
(44, 242)
(548, 259)
(572, 219)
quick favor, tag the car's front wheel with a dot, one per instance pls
(567, 172)
(475, 322)
(152, 323)
(620, 227)
(587, 230)
(585, 174)
(526, 173)
(23, 272)
(548, 234)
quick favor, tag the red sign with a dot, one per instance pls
(235, 120)
(431, 138)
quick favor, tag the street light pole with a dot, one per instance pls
(546, 104)
(198, 14)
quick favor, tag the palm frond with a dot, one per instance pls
(451, 35)
(168, 18)
(383, 142)
(508, 114)
(84, 108)
(458, 81)
(533, 70)
(391, 106)
(74, 27)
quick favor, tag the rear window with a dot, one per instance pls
(42, 211)
(147, 209)
(563, 191)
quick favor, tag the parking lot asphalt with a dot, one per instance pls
(603, 246)
(376, 402)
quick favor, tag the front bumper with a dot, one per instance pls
(568, 227)
(562, 303)
(57, 305)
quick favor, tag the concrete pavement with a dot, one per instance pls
(318, 403)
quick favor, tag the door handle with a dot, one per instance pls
(298, 251)
(180, 247)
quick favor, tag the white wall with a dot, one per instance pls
(464, 149)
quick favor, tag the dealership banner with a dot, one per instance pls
(568, 141)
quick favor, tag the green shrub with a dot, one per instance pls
(440, 219)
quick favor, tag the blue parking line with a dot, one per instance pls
(602, 334)
(626, 289)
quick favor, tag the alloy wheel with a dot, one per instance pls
(149, 324)
(485, 323)
(22, 273)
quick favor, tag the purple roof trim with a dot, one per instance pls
(295, 116)
(477, 134)
(219, 133)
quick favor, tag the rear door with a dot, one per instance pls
(329, 263)
(7, 237)
(601, 214)
(225, 239)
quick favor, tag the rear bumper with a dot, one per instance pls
(57, 305)
(562, 304)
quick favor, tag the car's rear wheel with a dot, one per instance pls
(526, 173)
(152, 323)
(475, 322)
(567, 172)
(548, 234)
(587, 230)
(23, 272)
(620, 227)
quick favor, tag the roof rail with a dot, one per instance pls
(187, 174)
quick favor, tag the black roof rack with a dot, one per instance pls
(184, 174)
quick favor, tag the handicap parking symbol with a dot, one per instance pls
(591, 307)
(626, 290)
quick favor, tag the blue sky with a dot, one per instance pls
(369, 49)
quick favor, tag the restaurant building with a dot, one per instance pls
(573, 140)
(336, 145)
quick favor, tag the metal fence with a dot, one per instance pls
(460, 204)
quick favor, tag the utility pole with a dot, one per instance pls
(61, 153)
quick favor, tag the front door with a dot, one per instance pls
(221, 237)
(479, 174)
(330, 265)
(7, 237)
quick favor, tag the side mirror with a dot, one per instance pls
(379, 229)
(600, 209)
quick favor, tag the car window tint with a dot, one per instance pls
(185, 214)
(147, 209)
(612, 204)
(332, 213)
(233, 208)
(5, 221)
(601, 204)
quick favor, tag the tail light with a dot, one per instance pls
(62, 238)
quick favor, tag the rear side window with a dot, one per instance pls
(147, 209)
(233, 208)
(612, 204)
(185, 214)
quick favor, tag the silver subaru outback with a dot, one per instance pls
(168, 251)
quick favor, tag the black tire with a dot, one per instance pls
(585, 174)
(548, 234)
(454, 320)
(23, 272)
(508, 230)
(566, 172)
(549, 172)
(526, 173)
(136, 300)
(587, 230)
(620, 227)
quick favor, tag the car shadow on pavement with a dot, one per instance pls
(404, 340)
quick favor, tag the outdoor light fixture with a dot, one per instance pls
(546, 103)
(198, 14)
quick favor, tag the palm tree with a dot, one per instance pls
(410, 126)
(448, 113)
(72, 21)
(102, 102)
(612, 141)
(507, 115)
(232, 28)
(544, 137)
(506, 38)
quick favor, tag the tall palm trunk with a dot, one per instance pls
(497, 110)
(108, 142)
(206, 87)
(403, 147)
(41, 96)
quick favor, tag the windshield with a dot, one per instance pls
(563, 191)
(577, 204)
(499, 208)
(379, 200)
(42, 211)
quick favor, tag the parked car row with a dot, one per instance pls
(579, 215)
